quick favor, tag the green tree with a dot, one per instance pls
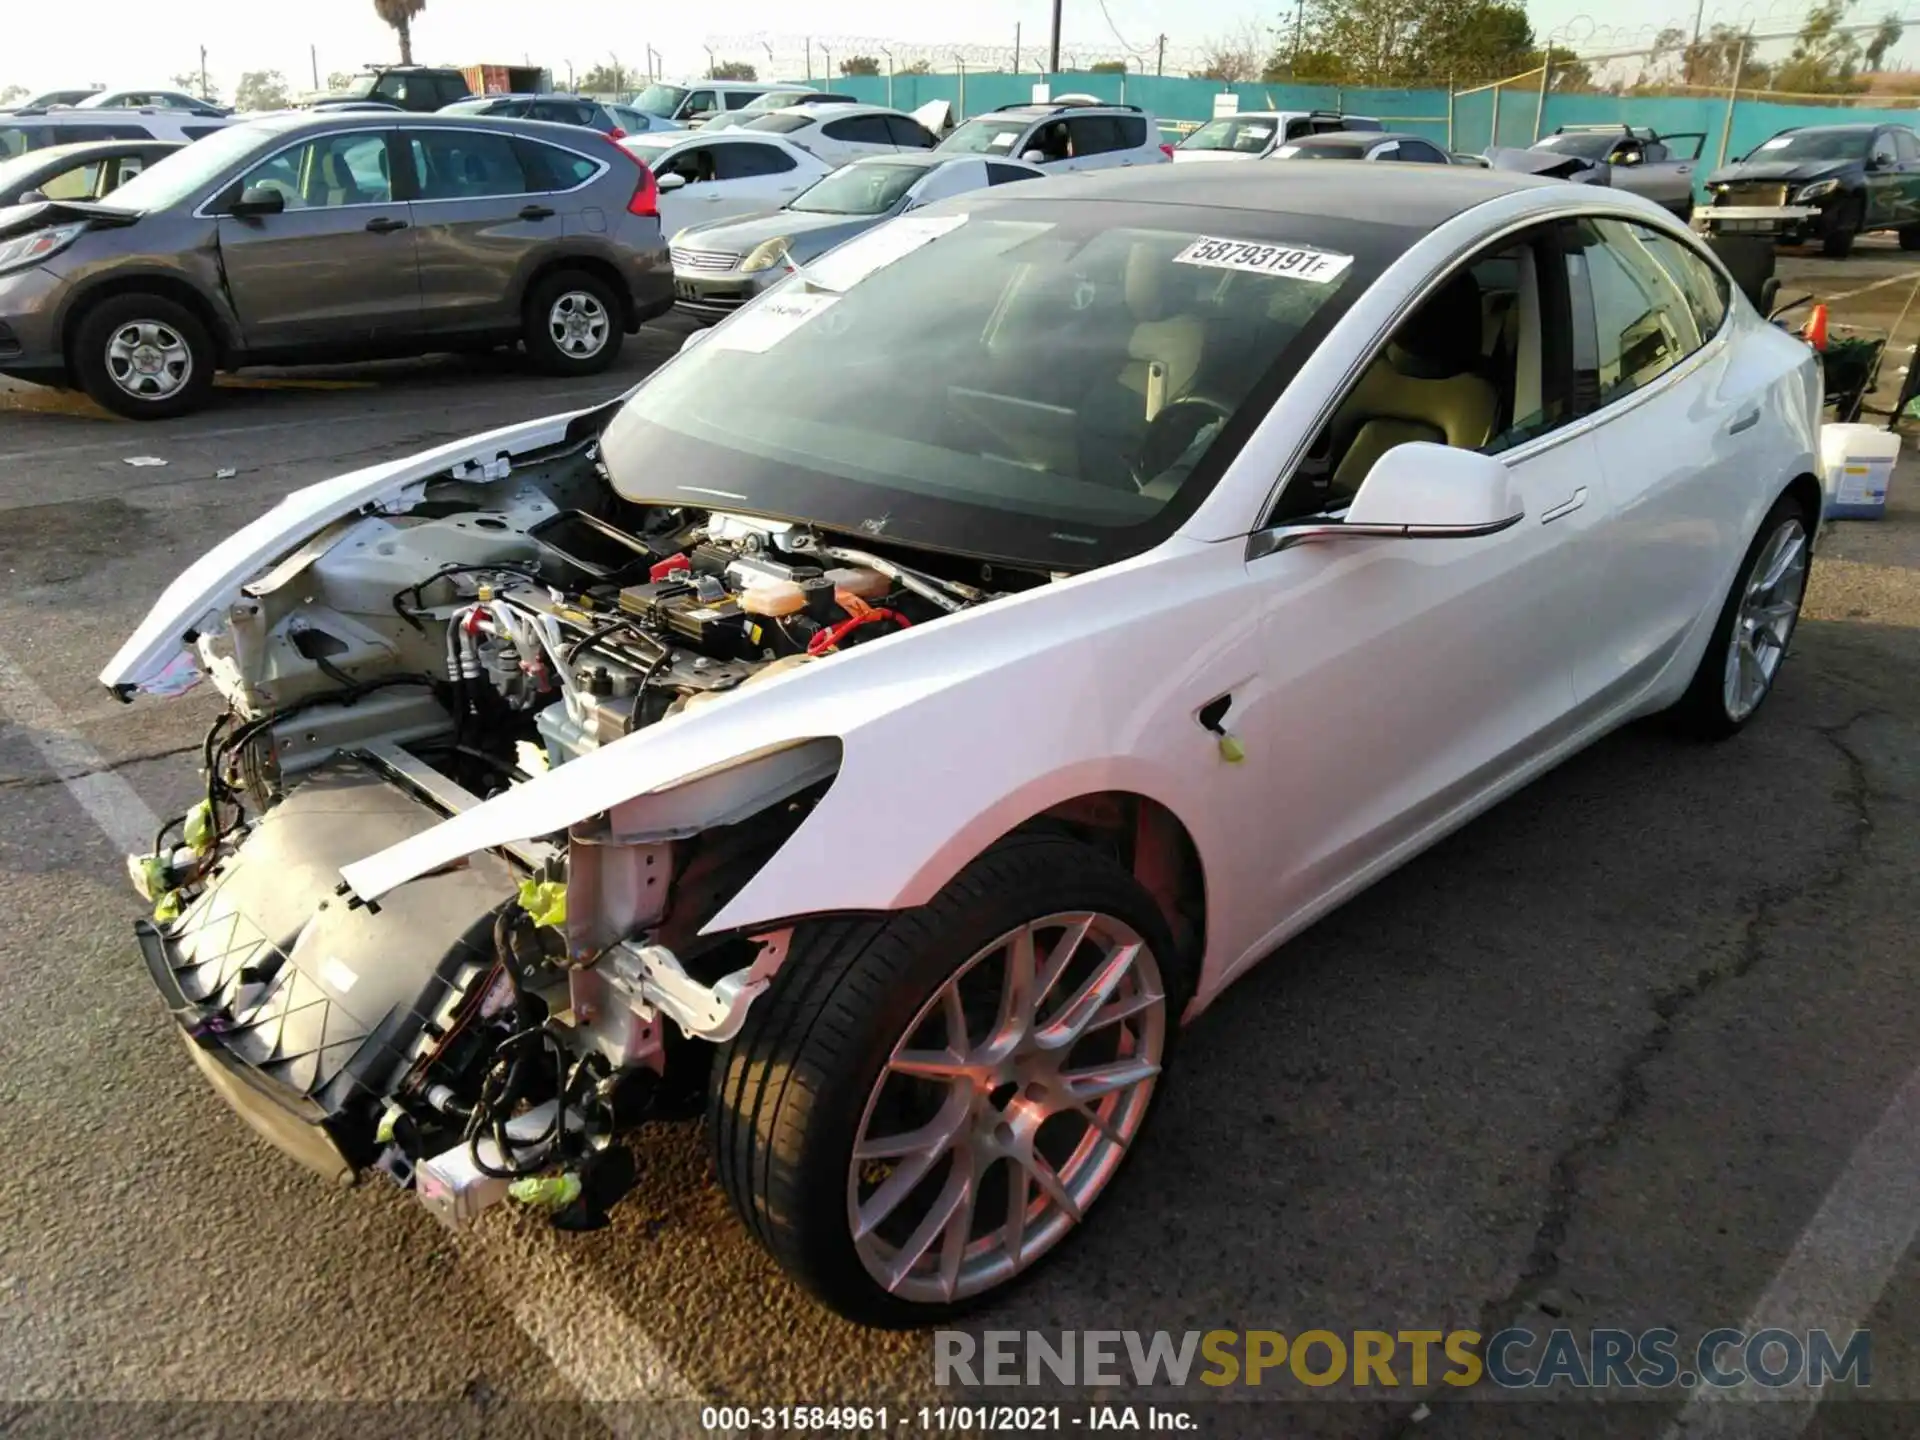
(918, 67)
(9, 94)
(262, 90)
(1234, 58)
(609, 79)
(189, 81)
(733, 70)
(1825, 57)
(399, 14)
(860, 65)
(338, 80)
(1881, 42)
(1472, 42)
(1107, 67)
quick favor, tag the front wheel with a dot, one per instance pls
(1837, 242)
(1755, 627)
(922, 1108)
(572, 324)
(143, 356)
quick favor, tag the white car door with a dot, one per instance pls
(1099, 142)
(1679, 416)
(1405, 678)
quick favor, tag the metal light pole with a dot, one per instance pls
(710, 60)
(889, 54)
(1016, 47)
(1160, 62)
(313, 55)
(826, 66)
(654, 59)
(1053, 49)
(809, 44)
(771, 67)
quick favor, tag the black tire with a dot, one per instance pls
(790, 1092)
(117, 320)
(555, 355)
(1836, 242)
(1910, 238)
(1703, 712)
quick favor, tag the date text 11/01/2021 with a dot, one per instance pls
(964, 1419)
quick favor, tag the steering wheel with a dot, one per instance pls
(1175, 428)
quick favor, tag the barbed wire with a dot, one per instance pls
(823, 54)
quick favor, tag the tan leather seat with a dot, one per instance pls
(1424, 387)
(337, 182)
(1174, 341)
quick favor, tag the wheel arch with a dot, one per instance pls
(169, 287)
(597, 266)
(1809, 496)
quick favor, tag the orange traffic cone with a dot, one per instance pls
(1815, 333)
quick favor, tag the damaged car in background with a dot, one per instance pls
(889, 767)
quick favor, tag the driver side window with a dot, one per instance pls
(1479, 364)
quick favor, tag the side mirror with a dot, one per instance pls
(1034, 157)
(1426, 491)
(259, 200)
(671, 181)
(32, 197)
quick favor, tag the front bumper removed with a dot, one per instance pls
(1789, 224)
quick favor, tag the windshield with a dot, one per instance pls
(185, 173)
(361, 85)
(1046, 382)
(1324, 150)
(469, 107)
(780, 124)
(775, 100)
(1246, 136)
(1815, 145)
(15, 172)
(859, 189)
(986, 136)
(1586, 147)
(650, 149)
(661, 100)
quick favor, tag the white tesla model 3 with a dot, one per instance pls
(891, 720)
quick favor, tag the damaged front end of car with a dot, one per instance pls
(447, 908)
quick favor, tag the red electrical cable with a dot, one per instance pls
(831, 637)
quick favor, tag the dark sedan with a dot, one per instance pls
(561, 109)
(299, 237)
(720, 265)
(1363, 145)
(1828, 183)
(89, 171)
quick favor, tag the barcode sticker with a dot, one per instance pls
(1296, 262)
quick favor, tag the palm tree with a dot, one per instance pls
(399, 14)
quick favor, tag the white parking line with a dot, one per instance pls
(1906, 279)
(1833, 1278)
(589, 1340)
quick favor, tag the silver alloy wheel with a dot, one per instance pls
(1763, 622)
(1000, 1116)
(578, 324)
(149, 360)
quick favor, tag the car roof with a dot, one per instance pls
(89, 149)
(933, 159)
(529, 95)
(1859, 126)
(836, 111)
(294, 122)
(1361, 139)
(1376, 194)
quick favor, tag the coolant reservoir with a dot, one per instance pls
(773, 597)
(860, 582)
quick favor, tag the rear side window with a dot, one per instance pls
(70, 134)
(1905, 146)
(908, 133)
(1133, 131)
(1095, 134)
(566, 112)
(1632, 323)
(998, 174)
(452, 87)
(781, 124)
(1705, 288)
(859, 130)
(200, 132)
(1420, 153)
(742, 161)
(465, 165)
(549, 168)
(737, 98)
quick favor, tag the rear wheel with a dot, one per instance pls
(572, 324)
(922, 1108)
(1837, 241)
(143, 356)
(1755, 627)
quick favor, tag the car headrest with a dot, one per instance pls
(1441, 338)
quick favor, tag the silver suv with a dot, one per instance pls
(1064, 135)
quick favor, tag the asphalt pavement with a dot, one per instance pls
(1635, 1049)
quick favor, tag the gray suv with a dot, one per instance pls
(299, 238)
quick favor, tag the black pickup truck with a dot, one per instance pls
(1825, 183)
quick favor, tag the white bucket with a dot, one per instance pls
(1858, 460)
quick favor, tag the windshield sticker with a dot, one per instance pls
(764, 324)
(1296, 262)
(1286, 152)
(1779, 142)
(1260, 132)
(1004, 140)
(847, 265)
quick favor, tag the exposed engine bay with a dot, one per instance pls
(495, 1025)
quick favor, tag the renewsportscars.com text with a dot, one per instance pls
(1511, 1359)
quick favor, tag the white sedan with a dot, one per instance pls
(888, 723)
(716, 177)
(840, 133)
